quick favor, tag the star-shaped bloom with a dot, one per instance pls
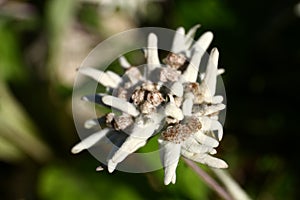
(164, 98)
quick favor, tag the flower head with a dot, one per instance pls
(164, 98)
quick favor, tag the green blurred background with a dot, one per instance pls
(43, 42)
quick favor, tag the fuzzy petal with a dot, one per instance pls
(204, 139)
(205, 159)
(100, 76)
(124, 62)
(212, 151)
(203, 42)
(140, 132)
(134, 75)
(152, 54)
(89, 141)
(115, 77)
(214, 108)
(189, 38)
(178, 45)
(193, 146)
(130, 145)
(111, 166)
(170, 173)
(216, 125)
(191, 73)
(99, 168)
(169, 154)
(147, 129)
(213, 125)
(221, 71)
(121, 105)
(210, 78)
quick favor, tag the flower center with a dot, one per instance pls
(179, 132)
(147, 98)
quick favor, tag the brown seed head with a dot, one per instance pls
(175, 60)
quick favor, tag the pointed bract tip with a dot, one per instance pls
(100, 168)
(124, 62)
(152, 40)
(170, 179)
(111, 166)
(215, 51)
(84, 98)
(90, 123)
(209, 34)
(223, 165)
(167, 181)
(180, 30)
(203, 42)
(221, 71)
(76, 150)
(197, 26)
(174, 179)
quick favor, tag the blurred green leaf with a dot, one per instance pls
(10, 56)
(8, 151)
(88, 15)
(213, 13)
(62, 183)
(59, 15)
(18, 129)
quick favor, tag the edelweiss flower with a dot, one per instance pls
(167, 98)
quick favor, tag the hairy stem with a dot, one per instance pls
(232, 186)
(209, 180)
